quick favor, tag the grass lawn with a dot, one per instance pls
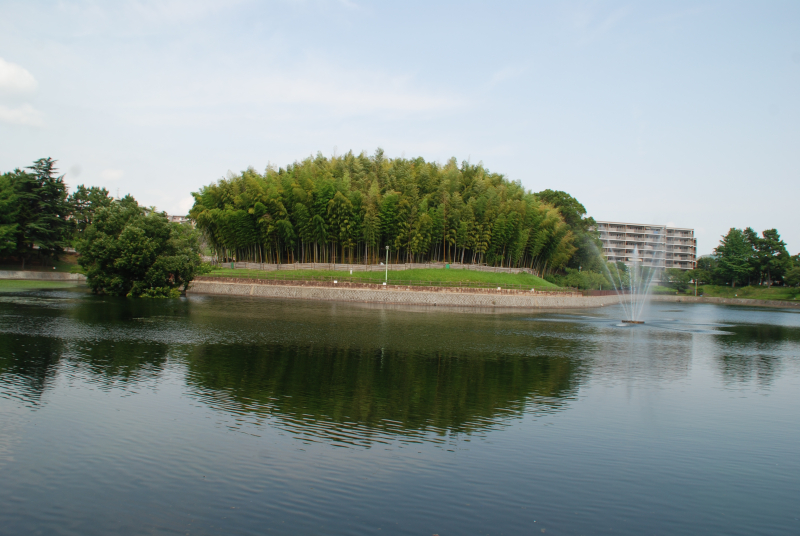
(753, 292)
(17, 284)
(420, 276)
(67, 263)
(658, 289)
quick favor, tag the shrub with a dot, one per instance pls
(128, 252)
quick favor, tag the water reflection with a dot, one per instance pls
(116, 363)
(320, 369)
(356, 376)
(27, 366)
(756, 352)
(218, 416)
(389, 390)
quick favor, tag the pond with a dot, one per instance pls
(215, 415)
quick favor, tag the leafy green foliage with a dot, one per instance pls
(34, 212)
(349, 208)
(583, 279)
(744, 256)
(127, 251)
(85, 202)
(677, 279)
(587, 240)
(792, 276)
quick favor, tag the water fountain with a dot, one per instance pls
(634, 294)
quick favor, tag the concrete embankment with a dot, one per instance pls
(41, 276)
(370, 293)
(729, 301)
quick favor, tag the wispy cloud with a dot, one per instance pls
(25, 115)
(355, 91)
(15, 79)
(316, 88)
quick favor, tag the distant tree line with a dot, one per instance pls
(348, 208)
(743, 257)
(125, 249)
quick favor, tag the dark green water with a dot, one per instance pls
(235, 416)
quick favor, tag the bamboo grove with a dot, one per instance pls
(346, 209)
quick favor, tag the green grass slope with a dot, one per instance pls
(15, 285)
(751, 292)
(420, 276)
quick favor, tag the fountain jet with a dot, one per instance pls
(634, 294)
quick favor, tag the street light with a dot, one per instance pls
(387, 264)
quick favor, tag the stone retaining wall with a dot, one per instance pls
(456, 297)
(376, 286)
(40, 276)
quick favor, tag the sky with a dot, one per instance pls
(678, 113)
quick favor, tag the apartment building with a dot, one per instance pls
(178, 219)
(658, 246)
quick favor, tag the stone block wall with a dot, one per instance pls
(413, 296)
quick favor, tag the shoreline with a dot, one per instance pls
(751, 302)
(406, 295)
(32, 275)
(398, 295)
(437, 296)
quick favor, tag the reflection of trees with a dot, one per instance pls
(43, 335)
(108, 311)
(381, 389)
(27, 365)
(755, 352)
(111, 362)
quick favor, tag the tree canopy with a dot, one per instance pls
(129, 251)
(587, 239)
(744, 256)
(348, 208)
(34, 212)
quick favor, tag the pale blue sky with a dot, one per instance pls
(686, 113)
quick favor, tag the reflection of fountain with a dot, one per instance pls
(633, 284)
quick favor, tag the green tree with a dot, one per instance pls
(792, 276)
(734, 255)
(771, 256)
(9, 210)
(677, 278)
(84, 203)
(423, 211)
(587, 241)
(128, 251)
(35, 218)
